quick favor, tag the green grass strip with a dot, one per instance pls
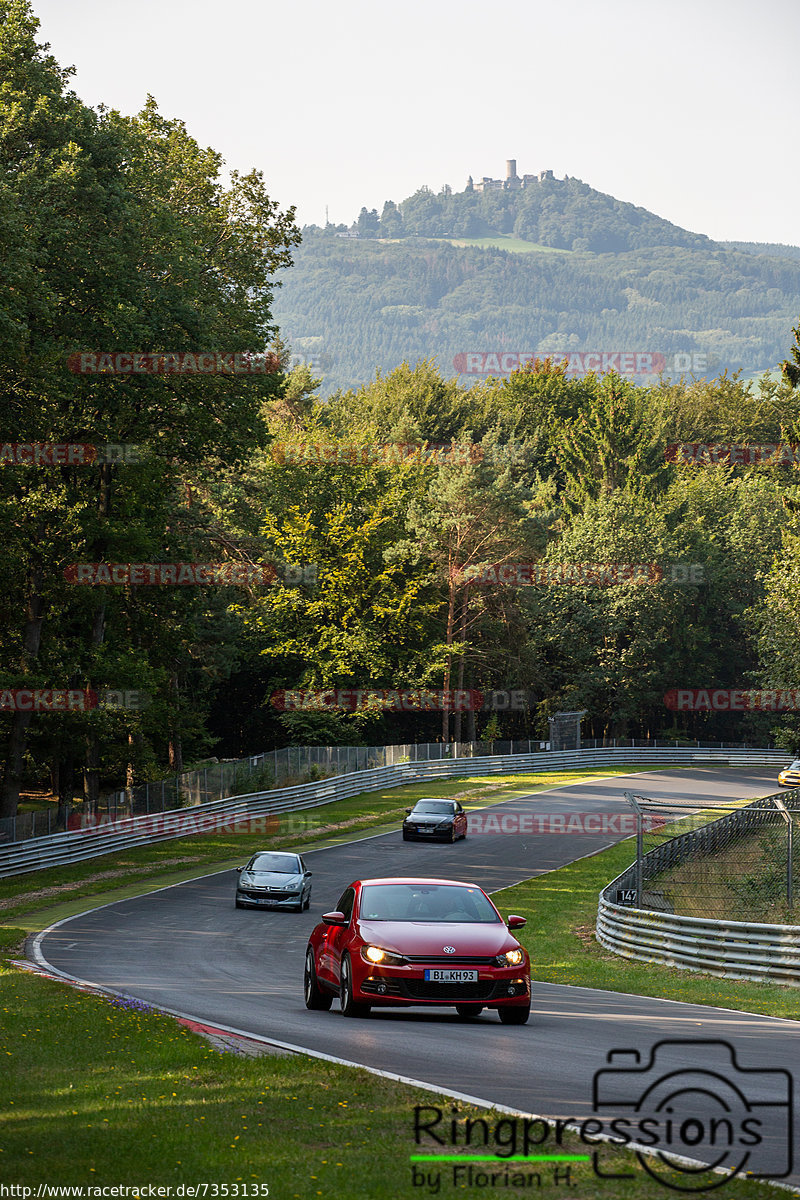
(97, 1095)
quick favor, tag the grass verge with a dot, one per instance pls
(96, 1095)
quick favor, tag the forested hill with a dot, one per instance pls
(564, 214)
(552, 267)
(776, 249)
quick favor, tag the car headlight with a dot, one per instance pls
(444, 824)
(511, 958)
(387, 958)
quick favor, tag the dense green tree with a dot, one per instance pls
(791, 366)
(128, 240)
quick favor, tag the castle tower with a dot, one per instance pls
(511, 168)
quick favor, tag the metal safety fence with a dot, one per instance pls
(292, 765)
(238, 813)
(709, 893)
(218, 780)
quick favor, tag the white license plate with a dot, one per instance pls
(450, 975)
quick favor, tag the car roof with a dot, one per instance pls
(415, 880)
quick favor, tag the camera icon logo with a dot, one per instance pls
(697, 1110)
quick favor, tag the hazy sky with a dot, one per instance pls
(687, 107)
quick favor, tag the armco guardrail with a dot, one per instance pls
(79, 844)
(733, 949)
(287, 767)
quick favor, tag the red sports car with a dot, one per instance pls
(398, 942)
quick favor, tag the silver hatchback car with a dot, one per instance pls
(273, 879)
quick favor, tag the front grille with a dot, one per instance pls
(271, 895)
(421, 989)
(472, 960)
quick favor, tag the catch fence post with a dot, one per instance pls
(633, 800)
(787, 816)
(790, 862)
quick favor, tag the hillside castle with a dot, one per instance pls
(511, 181)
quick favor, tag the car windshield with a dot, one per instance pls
(425, 902)
(433, 806)
(280, 864)
(795, 765)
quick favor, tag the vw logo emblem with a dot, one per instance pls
(449, 949)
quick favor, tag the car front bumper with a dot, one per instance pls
(252, 898)
(404, 986)
(432, 834)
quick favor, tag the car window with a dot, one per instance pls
(425, 902)
(434, 806)
(282, 864)
(345, 903)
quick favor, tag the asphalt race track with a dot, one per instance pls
(189, 950)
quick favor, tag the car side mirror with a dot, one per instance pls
(239, 870)
(309, 873)
(334, 918)
(515, 922)
(408, 812)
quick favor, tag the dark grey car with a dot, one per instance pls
(432, 820)
(273, 879)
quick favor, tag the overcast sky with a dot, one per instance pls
(687, 107)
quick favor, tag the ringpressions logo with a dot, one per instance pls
(694, 1117)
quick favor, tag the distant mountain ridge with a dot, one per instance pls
(611, 278)
(776, 249)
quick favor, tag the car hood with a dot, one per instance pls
(430, 937)
(270, 878)
(429, 818)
